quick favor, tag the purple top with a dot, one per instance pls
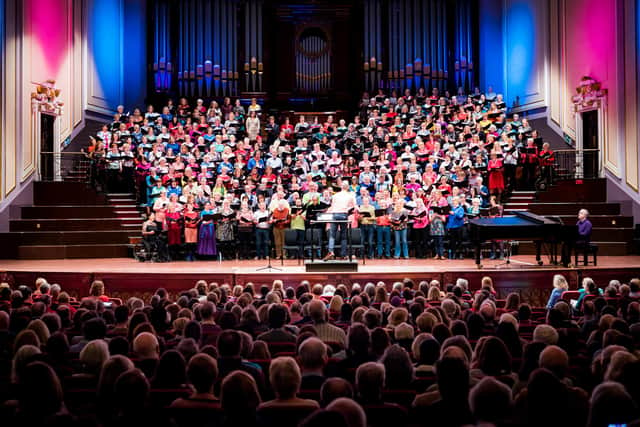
(584, 229)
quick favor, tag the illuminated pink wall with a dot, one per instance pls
(49, 35)
(52, 53)
(590, 40)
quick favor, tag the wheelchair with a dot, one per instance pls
(152, 249)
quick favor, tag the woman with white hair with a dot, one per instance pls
(560, 285)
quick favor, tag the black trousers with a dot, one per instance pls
(420, 240)
(455, 240)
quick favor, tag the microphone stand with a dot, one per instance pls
(268, 267)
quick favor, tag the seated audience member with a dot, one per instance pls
(350, 410)
(312, 356)
(132, 399)
(202, 405)
(544, 390)
(147, 352)
(240, 399)
(370, 380)
(325, 331)
(449, 405)
(286, 408)
(490, 402)
(111, 370)
(334, 388)
(278, 316)
(229, 348)
(40, 400)
(560, 285)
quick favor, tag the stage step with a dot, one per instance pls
(572, 191)
(31, 238)
(68, 211)
(67, 224)
(65, 193)
(73, 251)
(594, 208)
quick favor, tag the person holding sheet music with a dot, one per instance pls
(529, 158)
(173, 219)
(437, 221)
(546, 158)
(280, 220)
(191, 219)
(297, 223)
(420, 218)
(455, 228)
(114, 169)
(399, 218)
(245, 220)
(261, 219)
(226, 218)
(207, 234)
(367, 220)
(496, 176)
(383, 229)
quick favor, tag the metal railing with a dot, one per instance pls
(577, 164)
(64, 166)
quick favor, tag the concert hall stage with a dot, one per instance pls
(125, 277)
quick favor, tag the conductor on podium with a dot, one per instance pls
(343, 202)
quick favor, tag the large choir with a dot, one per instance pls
(224, 181)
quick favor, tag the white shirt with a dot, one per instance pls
(342, 202)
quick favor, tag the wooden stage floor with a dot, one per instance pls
(126, 277)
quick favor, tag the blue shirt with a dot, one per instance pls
(456, 220)
(584, 229)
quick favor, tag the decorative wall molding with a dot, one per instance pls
(591, 97)
(45, 101)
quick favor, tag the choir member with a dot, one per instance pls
(261, 219)
(420, 224)
(399, 218)
(191, 219)
(206, 233)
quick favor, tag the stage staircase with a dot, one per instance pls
(71, 220)
(612, 231)
(519, 201)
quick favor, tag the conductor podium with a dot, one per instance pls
(335, 265)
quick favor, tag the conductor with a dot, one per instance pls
(342, 202)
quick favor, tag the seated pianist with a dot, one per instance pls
(584, 228)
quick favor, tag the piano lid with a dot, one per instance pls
(533, 217)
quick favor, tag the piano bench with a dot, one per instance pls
(586, 250)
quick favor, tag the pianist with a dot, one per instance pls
(342, 202)
(584, 227)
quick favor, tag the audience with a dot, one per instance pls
(186, 359)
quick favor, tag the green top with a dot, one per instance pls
(297, 222)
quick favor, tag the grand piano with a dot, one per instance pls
(521, 225)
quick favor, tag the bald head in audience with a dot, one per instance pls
(145, 346)
(554, 359)
(350, 410)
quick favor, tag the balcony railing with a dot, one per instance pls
(64, 166)
(577, 164)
